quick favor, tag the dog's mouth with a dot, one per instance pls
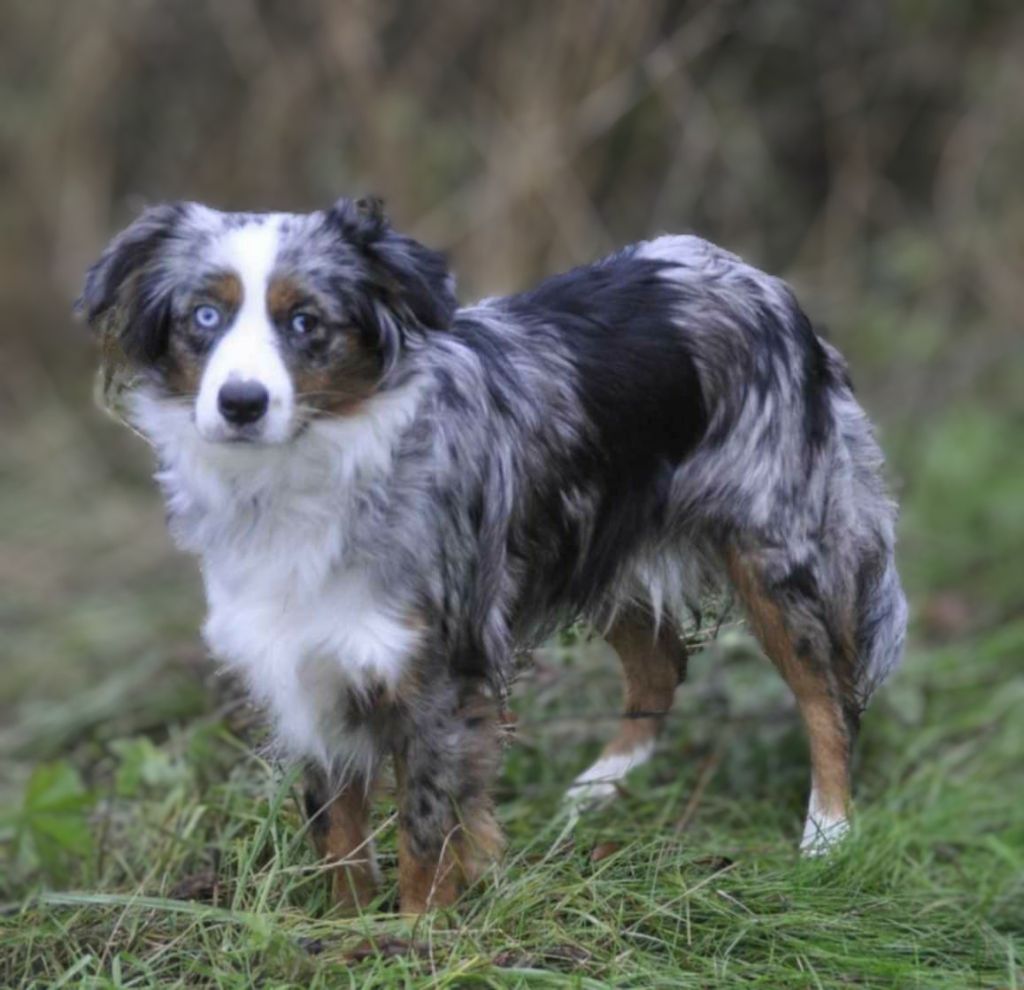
(255, 437)
(243, 438)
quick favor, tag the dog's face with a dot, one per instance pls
(263, 322)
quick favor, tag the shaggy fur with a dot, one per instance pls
(432, 489)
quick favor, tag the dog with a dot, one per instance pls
(391, 495)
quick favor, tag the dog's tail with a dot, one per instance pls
(880, 624)
(878, 603)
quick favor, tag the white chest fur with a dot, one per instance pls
(287, 608)
(301, 651)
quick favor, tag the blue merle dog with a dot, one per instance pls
(391, 496)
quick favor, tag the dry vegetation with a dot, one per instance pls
(871, 152)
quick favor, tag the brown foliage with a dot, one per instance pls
(869, 151)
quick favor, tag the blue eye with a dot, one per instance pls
(206, 317)
(303, 323)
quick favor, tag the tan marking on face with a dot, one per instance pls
(283, 295)
(340, 379)
(821, 712)
(344, 383)
(185, 364)
(226, 288)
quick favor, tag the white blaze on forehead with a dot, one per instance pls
(249, 349)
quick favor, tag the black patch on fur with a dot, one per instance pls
(851, 717)
(121, 278)
(313, 800)
(800, 581)
(641, 393)
(148, 328)
(817, 384)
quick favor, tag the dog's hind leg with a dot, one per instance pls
(653, 664)
(812, 647)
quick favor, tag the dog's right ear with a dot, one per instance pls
(117, 299)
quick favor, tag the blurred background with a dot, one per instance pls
(872, 153)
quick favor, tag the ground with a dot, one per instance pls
(150, 842)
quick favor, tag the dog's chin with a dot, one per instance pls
(248, 438)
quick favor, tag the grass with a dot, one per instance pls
(148, 842)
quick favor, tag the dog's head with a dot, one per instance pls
(264, 321)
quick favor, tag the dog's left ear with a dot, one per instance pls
(407, 277)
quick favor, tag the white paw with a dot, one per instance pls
(585, 796)
(822, 834)
(597, 784)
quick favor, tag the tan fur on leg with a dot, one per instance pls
(339, 832)
(653, 664)
(816, 697)
(437, 882)
(435, 866)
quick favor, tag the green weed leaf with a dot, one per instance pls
(52, 825)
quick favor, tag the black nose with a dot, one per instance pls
(242, 402)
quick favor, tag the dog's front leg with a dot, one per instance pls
(445, 759)
(338, 819)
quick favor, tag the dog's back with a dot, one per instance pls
(705, 418)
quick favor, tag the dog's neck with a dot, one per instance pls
(230, 498)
